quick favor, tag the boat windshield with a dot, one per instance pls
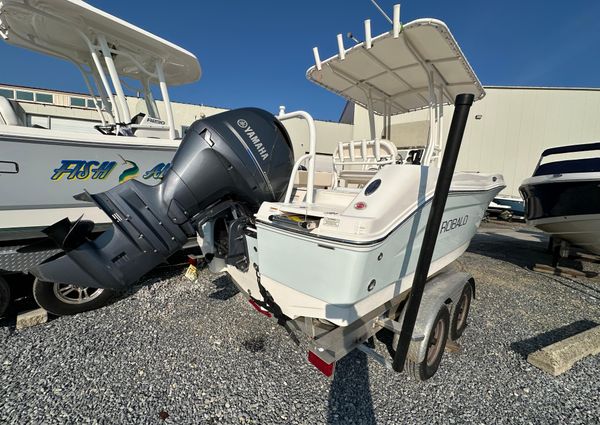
(569, 160)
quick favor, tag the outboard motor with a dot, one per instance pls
(228, 163)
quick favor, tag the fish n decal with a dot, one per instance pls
(81, 169)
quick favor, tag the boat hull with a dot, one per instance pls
(579, 230)
(41, 172)
(566, 207)
(340, 281)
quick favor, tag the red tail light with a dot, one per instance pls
(325, 368)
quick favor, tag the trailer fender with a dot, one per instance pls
(445, 288)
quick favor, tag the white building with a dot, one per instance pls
(506, 132)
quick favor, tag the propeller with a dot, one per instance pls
(63, 235)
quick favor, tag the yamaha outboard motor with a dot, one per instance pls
(227, 163)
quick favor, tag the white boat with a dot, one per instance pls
(42, 169)
(48, 167)
(335, 256)
(363, 245)
(562, 198)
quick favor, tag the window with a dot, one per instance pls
(25, 95)
(91, 103)
(44, 98)
(78, 101)
(9, 94)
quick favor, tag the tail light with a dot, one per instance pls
(325, 368)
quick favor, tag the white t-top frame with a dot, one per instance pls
(100, 44)
(415, 66)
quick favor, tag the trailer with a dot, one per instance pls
(442, 318)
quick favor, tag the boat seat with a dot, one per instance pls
(323, 179)
(327, 199)
(356, 162)
(8, 115)
(358, 177)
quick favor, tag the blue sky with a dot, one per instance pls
(255, 53)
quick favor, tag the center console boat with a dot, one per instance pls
(42, 168)
(134, 138)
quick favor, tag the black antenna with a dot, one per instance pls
(382, 12)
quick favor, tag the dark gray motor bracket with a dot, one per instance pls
(236, 159)
(237, 249)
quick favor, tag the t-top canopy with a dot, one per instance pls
(62, 28)
(393, 72)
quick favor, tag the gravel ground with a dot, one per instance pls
(181, 352)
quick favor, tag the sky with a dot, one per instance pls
(256, 53)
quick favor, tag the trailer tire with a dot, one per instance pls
(4, 296)
(436, 340)
(64, 300)
(460, 312)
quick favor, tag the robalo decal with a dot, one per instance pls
(453, 223)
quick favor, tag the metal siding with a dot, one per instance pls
(517, 125)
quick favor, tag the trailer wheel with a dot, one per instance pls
(63, 300)
(460, 313)
(4, 296)
(436, 342)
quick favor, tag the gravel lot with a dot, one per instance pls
(198, 353)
